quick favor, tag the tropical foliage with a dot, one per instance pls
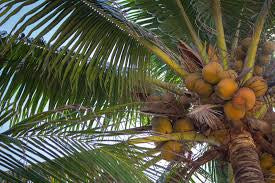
(82, 82)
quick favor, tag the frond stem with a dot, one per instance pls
(216, 7)
(252, 50)
(187, 136)
(236, 37)
(164, 57)
(193, 33)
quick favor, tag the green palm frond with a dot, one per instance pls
(75, 119)
(100, 86)
(71, 104)
(163, 18)
(93, 56)
(64, 159)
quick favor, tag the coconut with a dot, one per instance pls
(246, 43)
(244, 99)
(266, 161)
(190, 81)
(228, 74)
(239, 53)
(183, 125)
(161, 125)
(269, 47)
(210, 72)
(258, 85)
(238, 65)
(203, 88)
(170, 150)
(226, 88)
(264, 59)
(258, 70)
(233, 113)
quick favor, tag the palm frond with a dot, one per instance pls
(63, 159)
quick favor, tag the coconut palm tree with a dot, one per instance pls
(137, 91)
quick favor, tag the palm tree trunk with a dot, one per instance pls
(244, 159)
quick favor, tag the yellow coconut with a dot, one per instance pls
(238, 65)
(246, 43)
(258, 70)
(233, 113)
(258, 85)
(203, 88)
(226, 88)
(264, 59)
(190, 81)
(244, 99)
(161, 125)
(228, 74)
(210, 72)
(239, 53)
(266, 161)
(269, 47)
(183, 125)
(170, 150)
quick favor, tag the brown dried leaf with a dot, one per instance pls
(190, 59)
(205, 114)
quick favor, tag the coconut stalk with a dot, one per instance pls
(216, 7)
(244, 159)
(187, 136)
(164, 57)
(196, 40)
(230, 174)
(235, 39)
(252, 50)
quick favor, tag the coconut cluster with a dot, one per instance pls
(213, 74)
(242, 100)
(170, 150)
(238, 100)
(267, 163)
(263, 56)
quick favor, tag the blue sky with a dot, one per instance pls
(13, 20)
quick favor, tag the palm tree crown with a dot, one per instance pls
(137, 91)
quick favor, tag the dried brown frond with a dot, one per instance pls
(162, 108)
(259, 125)
(205, 114)
(190, 60)
(209, 155)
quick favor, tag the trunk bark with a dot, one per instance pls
(244, 159)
